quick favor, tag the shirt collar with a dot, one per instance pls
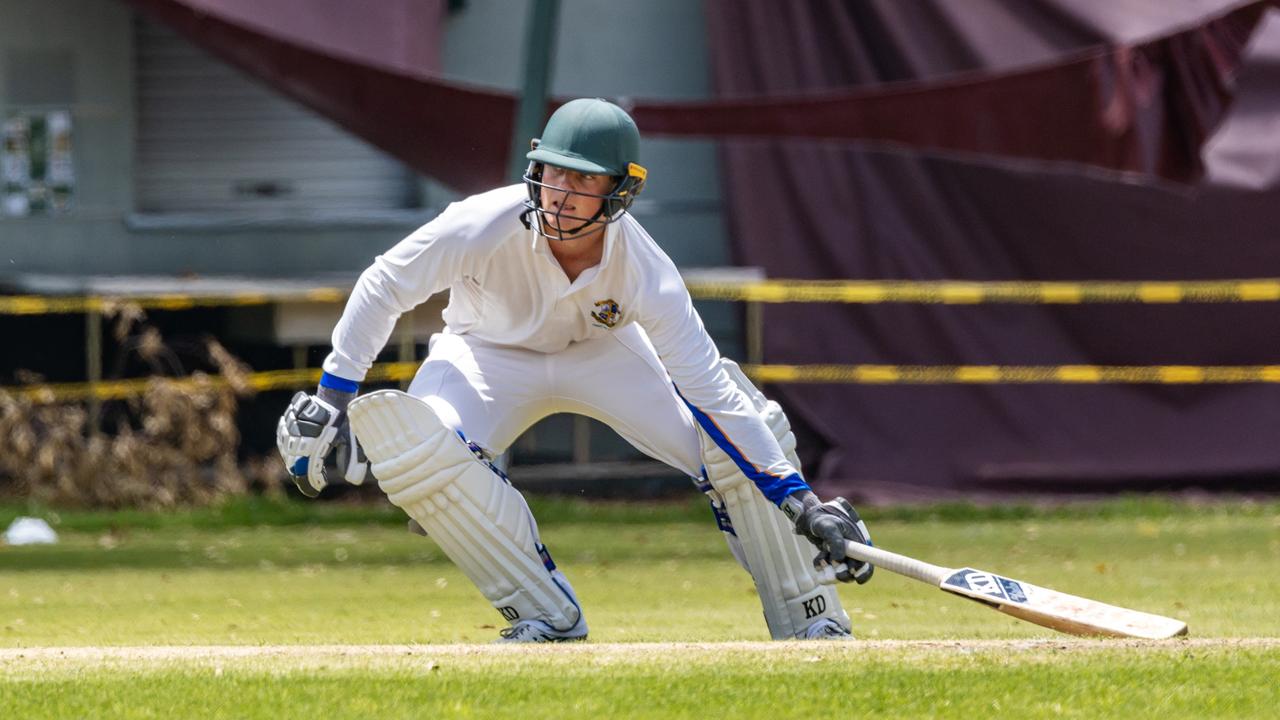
(610, 239)
(541, 244)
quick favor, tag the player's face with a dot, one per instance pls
(567, 192)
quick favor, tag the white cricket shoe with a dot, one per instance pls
(826, 629)
(536, 631)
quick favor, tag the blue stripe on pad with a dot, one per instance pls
(547, 562)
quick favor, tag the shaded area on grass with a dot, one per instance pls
(270, 547)
(255, 511)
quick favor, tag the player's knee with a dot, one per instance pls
(415, 459)
(418, 473)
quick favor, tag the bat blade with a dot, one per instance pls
(1058, 610)
(1042, 606)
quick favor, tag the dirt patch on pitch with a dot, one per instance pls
(17, 657)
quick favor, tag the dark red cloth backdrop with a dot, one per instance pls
(811, 210)
(1145, 107)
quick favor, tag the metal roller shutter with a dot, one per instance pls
(211, 139)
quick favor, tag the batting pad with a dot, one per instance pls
(763, 539)
(476, 517)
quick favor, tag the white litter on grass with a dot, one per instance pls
(30, 531)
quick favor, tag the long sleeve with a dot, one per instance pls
(723, 411)
(424, 263)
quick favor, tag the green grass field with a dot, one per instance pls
(263, 610)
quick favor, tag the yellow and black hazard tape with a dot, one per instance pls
(1015, 374)
(258, 382)
(867, 292)
(952, 292)
(781, 374)
(51, 305)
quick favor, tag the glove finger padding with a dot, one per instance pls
(831, 526)
(848, 569)
(304, 437)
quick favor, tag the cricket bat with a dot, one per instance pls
(1042, 606)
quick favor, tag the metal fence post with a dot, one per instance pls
(93, 359)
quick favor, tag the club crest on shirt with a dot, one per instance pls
(607, 312)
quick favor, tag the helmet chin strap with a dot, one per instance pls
(572, 234)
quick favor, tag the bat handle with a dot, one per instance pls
(893, 562)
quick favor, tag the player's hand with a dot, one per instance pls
(831, 526)
(317, 445)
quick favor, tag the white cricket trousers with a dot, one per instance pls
(492, 393)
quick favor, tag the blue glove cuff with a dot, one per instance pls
(333, 382)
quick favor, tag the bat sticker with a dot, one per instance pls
(1012, 589)
(985, 583)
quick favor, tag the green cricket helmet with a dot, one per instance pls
(593, 137)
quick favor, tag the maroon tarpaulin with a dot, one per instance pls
(811, 210)
(1144, 105)
(401, 35)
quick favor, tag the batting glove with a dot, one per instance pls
(831, 526)
(317, 445)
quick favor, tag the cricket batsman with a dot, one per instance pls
(561, 302)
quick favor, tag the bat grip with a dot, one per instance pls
(893, 562)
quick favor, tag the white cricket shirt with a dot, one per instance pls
(507, 288)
